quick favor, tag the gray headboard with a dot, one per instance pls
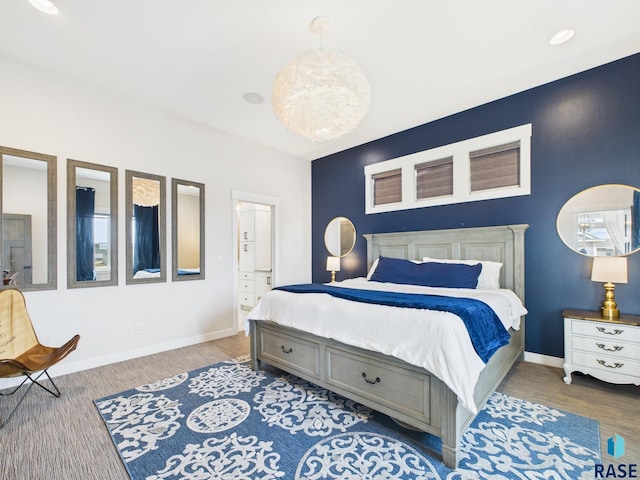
(503, 244)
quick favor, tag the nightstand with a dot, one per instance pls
(608, 349)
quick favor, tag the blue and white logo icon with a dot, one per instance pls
(615, 446)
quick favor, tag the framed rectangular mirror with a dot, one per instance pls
(187, 230)
(146, 220)
(28, 230)
(92, 225)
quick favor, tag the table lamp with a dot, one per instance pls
(609, 270)
(333, 266)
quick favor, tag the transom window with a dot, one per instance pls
(496, 165)
(387, 187)
(434, 179)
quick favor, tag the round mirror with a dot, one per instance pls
(602, 221)
(340, 236)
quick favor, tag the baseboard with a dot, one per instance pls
(543, 359)
(71, 367)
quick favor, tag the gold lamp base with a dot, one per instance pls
(609, 308)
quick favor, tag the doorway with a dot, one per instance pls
(16, 249)
(255, 245)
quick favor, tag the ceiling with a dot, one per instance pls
(425, 59)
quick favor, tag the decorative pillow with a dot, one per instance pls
(429, 274)
(489, 277)
(375, 264)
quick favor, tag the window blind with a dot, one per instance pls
(495, 167)
(435, 178)
(387, 187)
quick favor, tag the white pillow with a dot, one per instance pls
(489, 276)
(372, 269)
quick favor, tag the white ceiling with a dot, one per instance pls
(425, 59)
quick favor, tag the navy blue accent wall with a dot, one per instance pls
(586, 132)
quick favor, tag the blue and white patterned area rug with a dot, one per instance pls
(228, 422)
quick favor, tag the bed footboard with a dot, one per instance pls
(405, 392)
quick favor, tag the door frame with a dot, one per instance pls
(237, 197)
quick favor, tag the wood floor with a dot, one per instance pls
(616, 407)
(65, 438)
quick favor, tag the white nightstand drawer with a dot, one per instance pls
(606, 331)
(622, 366)
(608, 350)
(608, 347)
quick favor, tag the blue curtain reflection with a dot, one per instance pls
(146, 243)
(85, 211)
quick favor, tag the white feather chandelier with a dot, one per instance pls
(322, 94)
(146, 192)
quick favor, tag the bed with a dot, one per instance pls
(392, 381)
(155, 272)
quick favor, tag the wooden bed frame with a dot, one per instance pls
(408, 393)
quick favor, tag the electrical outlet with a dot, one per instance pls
(139, 327)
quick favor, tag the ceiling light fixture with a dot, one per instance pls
(46, 6)
(321, 94)
(145, 192)
(561, 37)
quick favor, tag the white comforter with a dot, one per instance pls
(436, 341)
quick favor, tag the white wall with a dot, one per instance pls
(49, 114)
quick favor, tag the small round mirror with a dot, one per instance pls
(340, 236)
(602, 221)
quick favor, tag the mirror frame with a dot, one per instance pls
(72, 281)
(354, 237)
(174, 230)
(572, 202)
(162, 226)
(52, 215)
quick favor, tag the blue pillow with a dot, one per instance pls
(428, 274)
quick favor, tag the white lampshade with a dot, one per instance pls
(333, 264)
(609, 269)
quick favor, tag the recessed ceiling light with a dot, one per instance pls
(46, 6)
(253, 97)
(561, 37)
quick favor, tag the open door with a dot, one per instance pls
(16, 249)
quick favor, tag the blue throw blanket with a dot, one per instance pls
(485, 328)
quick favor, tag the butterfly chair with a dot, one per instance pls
(21, 354)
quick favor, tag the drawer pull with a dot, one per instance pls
(615, 365)
(616, 348)
(285, 350)
(615, 331)
(372, 382)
